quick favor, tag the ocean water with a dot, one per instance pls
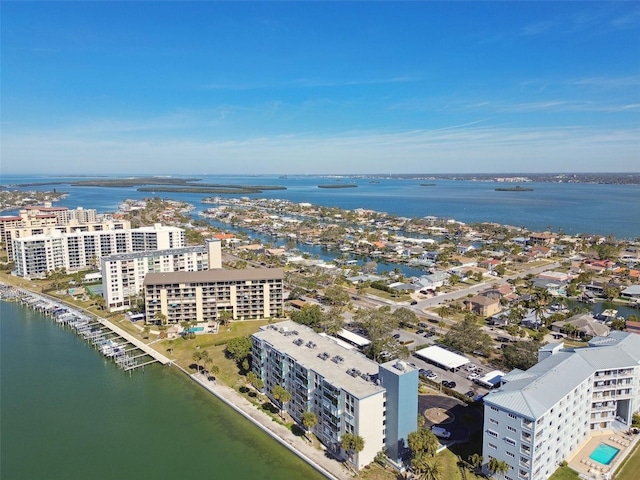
(68, 413)
(572, 207)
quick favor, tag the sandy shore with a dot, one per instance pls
(298, 445)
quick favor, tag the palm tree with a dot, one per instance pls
(496, 466)
(160, 317)
(225, 316)
(351, 444)
(206, 359)
(280, 394)
(309, 420)
(197, 356)
(475, 461)
(430, 469)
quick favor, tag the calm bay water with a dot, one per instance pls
(573, 207)
(66, 413)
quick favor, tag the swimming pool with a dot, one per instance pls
(196, 329)
(604, 454)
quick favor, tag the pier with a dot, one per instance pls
(128, 352)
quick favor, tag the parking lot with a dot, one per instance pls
(463, 384)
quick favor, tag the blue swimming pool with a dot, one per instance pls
(604, 454)
(196, 329)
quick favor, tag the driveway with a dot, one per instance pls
(458, 417)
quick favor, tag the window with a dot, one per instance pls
(493, 434)
(494, 409)
(511, 429)
(491, 445)
(494, 421)
(511, 415)
(509, 454)
(510, 441)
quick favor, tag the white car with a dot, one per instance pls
(432, 376)
(472, 376)
(440, 432)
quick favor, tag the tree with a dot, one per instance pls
(336, 296)
(255, 381)
(160, 317)
(205, 358)
(146, 330)
(282, 396)
(427, 468)
(332, 321)
(496, 466)
(238, 349)
(351, 444)
(309, 420)
(443, 311)
(309, 315)
(213, 372)
(476, 460)
(618, 324)
(405, 317)
(197, 357)
(522, 355)
(422, 442)
(225, 316)
(467, 336)
(378, 325)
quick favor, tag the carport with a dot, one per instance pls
(491, 380)
(442, 358)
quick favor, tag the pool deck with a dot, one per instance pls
(589, 468)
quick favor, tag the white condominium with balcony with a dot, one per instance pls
(202, 296)
(540, 416)
(36, 255)
(346, 391)
(123, 274)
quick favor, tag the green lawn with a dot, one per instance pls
(564, 473)
(630, 467)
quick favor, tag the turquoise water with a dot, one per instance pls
(196, 329)
(604, 454)
(68, 413)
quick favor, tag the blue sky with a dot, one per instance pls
(320, 87)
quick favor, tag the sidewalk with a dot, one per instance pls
(299, 445)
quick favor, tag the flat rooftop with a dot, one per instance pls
(156, 253)
(217, 275)
(341, 367)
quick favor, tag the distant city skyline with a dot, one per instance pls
(320, 87)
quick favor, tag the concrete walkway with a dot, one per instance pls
(332, 469)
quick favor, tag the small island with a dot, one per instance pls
(517, 188)
(342, 185)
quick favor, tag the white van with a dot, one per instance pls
(440, 432)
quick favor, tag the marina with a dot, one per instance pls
(126, 351)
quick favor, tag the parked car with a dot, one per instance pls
(440, 432)
(432, 376)
(414, 303)
(452, 385)
(470, 394)
(396, 336)
(420, 332)
(472, 376)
